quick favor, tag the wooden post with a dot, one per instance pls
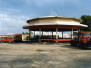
(39, 35)
(56, 34)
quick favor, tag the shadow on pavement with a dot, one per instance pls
(69, 46)
(75, 47)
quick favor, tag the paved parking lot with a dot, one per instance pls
(40, 55)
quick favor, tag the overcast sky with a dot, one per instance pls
(16, 12)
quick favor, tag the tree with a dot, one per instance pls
(87, 21)
(23, 33)
(27, 33)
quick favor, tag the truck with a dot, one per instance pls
(6, 39)
(83, 40)
(18, 38)
(11, 38)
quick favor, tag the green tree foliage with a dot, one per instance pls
(87, 21)
(23, 33)
(27, 33)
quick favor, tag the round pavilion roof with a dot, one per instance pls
(52, 22)
(50, 17)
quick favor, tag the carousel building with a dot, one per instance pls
(53, 24)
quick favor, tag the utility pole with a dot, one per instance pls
(3, 14)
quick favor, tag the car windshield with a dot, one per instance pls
(86, 34)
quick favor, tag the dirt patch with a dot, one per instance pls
(40, 50)
(60, 55)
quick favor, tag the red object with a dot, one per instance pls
(6, 39)
(11, 38)
(18, 37)
(62, 40)
(83, 40)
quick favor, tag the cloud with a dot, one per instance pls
(12, 24)
(18, 11)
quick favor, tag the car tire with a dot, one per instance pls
(81, 45)
(1, 41)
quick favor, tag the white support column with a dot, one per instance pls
(52, 34)
(34, 35)
(72, 33)
(29, 34)
(62, 34)
(56, 34)
(40, 35)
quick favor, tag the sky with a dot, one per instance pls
(17, 12)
